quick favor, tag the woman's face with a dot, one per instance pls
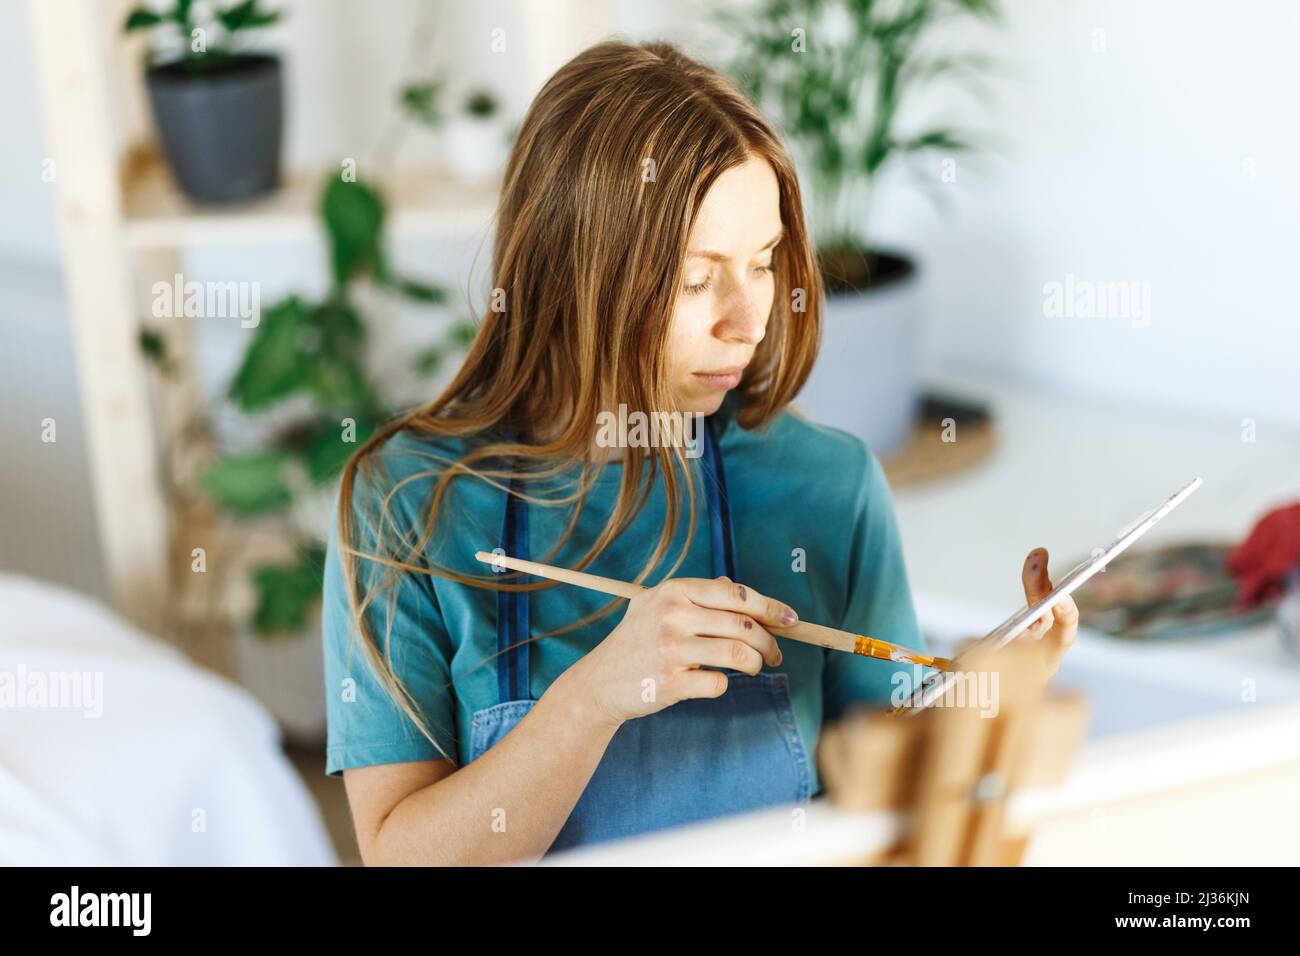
(726, 297)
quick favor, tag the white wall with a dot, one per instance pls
(27, 227)
(1153, 142)
(46, 518)
(1171, 158)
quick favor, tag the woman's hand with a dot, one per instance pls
(1057, 628)
(651, 659)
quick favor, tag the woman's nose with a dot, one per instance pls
(741, 319)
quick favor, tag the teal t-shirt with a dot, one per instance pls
(814, 527)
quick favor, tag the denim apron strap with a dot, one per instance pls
(715, 487)
(513, 646)
(512, 607)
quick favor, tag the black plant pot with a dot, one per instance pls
(221, 128)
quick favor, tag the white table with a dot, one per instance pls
(1068, 474)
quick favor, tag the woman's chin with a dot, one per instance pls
(701, 402)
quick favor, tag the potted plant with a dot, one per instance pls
(218, 106)
(834, 75)
(475, 141)
(306, 375)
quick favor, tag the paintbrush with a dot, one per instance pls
(804, 631)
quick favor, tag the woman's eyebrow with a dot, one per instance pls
(719, 257)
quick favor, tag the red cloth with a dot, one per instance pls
(1261, 563)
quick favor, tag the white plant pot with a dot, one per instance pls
(867, 377)
(474, 149)
(286, 673)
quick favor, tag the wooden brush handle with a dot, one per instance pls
(803, 631)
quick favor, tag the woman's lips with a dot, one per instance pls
(723, 378)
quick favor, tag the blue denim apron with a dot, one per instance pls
(694, 760)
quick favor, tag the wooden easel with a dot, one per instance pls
(952, 767)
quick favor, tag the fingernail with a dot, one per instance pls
(788, 616)
(744, 595)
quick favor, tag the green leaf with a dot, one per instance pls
(141, 18)
(287, 593)
(934, 139)
(154, 347)
(420, 291)
(481, 103)
(327, 452)
(354, 220)
(428, 361)
(420, 101)
(987, 9)
(462, 334)
(151, 343)
(249, 483)
(274, 366)
(246, 16)
(840, 101)
(338, 382)
(340, 325)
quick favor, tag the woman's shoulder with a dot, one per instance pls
(405, 465)
(805, 454)
(409, 449)
(394, 488)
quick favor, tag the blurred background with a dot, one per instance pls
(1078, 220)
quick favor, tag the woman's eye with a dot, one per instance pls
(707, 284)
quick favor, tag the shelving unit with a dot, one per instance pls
(125, 226)
(157, 216)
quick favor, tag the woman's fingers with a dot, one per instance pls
(711, 624)
(1060, 623)
(1066, 622)
(1042, 624)
(692, 684)
(725, 595)
(1064, 614)
(722, 652)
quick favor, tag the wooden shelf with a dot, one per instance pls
(423, 202)
(125, 224)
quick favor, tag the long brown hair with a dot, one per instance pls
(602, 187)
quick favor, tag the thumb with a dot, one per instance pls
(1034, 575)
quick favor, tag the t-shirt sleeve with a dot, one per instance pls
(366, 726)
(879, 603)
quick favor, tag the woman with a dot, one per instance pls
(651, 257)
